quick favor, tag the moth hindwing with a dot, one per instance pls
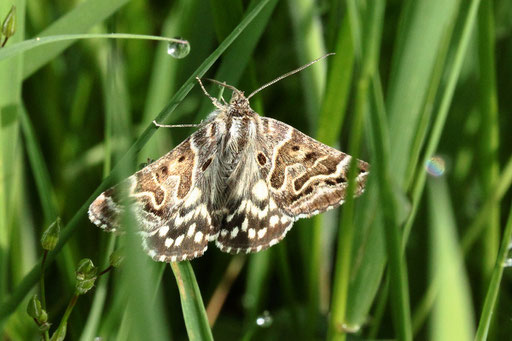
(240, 180)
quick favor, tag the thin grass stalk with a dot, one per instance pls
(11, 302)
(489, 128)
(494, 285)
(400, 304)
(337, 323)
(397, 268)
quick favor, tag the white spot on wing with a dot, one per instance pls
(191, 230)
(234, 232)
(252, 233)
(163, 231)
(274, 220)
(260, 190)
(262, 233)
(168, 242)
(179, 240)
(245, 224)
(198, 237)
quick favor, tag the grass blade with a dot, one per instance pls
(453, 306)
(191, 302)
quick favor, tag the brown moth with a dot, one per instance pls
(240, 180)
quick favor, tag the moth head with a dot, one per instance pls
(238, 103)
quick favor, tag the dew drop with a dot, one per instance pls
(264, 320)
(435, 166)
(178, 50)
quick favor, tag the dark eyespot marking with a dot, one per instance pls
(181, 159)
(262, 159)
(340, 180)
(308, 190)
(310, 155)
(295, 148)
(206, 164)
(330, 182)
(164, 170)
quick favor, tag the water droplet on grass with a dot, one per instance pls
(178, 50)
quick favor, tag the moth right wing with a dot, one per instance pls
(307, 177)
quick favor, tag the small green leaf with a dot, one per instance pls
(86, 274)
(9, 25)
(36, 311)
(50, 236)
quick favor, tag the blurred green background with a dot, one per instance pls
(420, 89)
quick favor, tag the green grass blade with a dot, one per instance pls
(11, 302)
(15, 229)
(191, 302)
(452, 317)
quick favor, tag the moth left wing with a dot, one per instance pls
(168, 199)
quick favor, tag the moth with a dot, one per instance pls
(240, 180)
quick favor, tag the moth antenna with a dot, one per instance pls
(213, 99)
(289, 74)
(223, 84)
(193, 125)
